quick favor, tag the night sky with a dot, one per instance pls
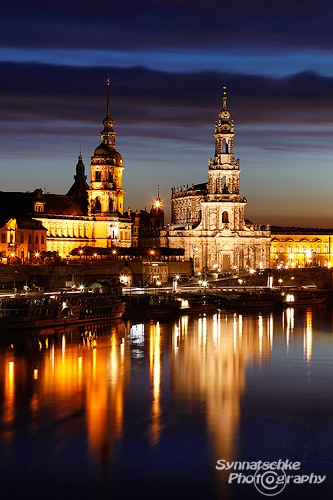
(168, 61)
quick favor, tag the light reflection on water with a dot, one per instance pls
(151, 407)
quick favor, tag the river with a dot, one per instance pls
(222, 406)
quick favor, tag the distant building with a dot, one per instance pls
(23, 239)
(294, 247)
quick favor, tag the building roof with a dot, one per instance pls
(299, 230)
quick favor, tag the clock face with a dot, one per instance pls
(225, 114)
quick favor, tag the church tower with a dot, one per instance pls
(223, 207)
(106, 193)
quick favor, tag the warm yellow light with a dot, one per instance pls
(157, 203)
(37, 254)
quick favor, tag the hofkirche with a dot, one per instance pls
(207, 219)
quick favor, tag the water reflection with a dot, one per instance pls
(120, 391)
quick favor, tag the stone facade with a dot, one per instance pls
(298, 247)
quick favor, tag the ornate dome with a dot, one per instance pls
(105, 151)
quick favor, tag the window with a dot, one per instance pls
(36, 240)
(98, 206)
(30, 239)
(22, 238)
(296, 249)
(97, 176)
(318, 249)
(325, 249)
(289, 249)
(42, 239)
(225, 218)
(281, 249)
(3, 237)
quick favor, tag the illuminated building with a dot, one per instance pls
(22, 238)
(208, 220)
(88, 215)
(294, 247)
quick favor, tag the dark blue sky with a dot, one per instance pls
(168, 62)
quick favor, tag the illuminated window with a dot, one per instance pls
(296, 249)
(318, 249)
(281, 249)
(325, 249)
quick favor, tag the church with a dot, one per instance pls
(208, 219)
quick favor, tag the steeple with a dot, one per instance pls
(224, 124)
(80, 186)
(223, 169)
(108, 135)
(106, 193)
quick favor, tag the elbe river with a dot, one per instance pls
(226, 405)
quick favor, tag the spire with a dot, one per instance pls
(108, 99)
(80, 186)
(108, 135)
(158, 199)
(224, 114)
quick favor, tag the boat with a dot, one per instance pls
(58, 310)
(296, 297)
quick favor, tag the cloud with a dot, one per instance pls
(138, 95)
(166, 23)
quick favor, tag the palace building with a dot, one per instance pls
(208, 219)
(295, 247)
(88, 215)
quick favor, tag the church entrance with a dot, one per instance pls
(225, 262)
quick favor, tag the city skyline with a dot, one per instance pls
(168, 63)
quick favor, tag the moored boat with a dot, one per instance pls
(57, 310)
(295, 297)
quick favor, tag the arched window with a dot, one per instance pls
(225, 218)
(110, 205)
(97, 176)
(98, 206)
(224, 146)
